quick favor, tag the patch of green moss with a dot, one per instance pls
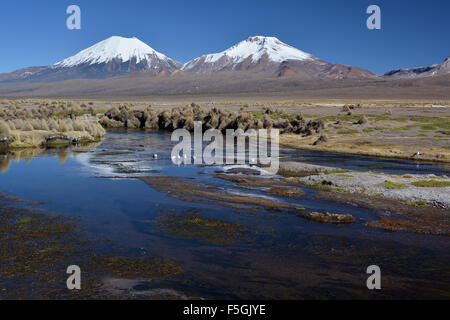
(405, 128)
(392, 185)
(431, 184)
(191, 225)
(428, 127)
(418, 203)
(100, 110)
(378, 117)
(324, 186)
(58, 143)
(131, 267)
(378, 195)
(348, 131)
(337, 170)
(364, 143)
(374, 166)
(400, 119)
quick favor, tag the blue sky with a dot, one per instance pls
(414, 32)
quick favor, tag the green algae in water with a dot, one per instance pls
(418, 203)
(36, 248)
(191, 225)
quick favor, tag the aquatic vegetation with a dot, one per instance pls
(374, 166)
(396, 258)
(327, 217)
(408, 217)
(138, 267)
(418, 203)
(188, 190)
(36, 247)
(191, 225)
(32, 244)
(413, 224)
(286, 192)
(327, 186)
(292, 179)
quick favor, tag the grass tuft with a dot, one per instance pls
(393, 185)
(431, 184)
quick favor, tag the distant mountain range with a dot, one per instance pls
(433, 70)
(257, 58)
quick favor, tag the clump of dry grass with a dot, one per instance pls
(221, 119)
(63, 126)
(27, 126)
(4, 128)
(31, 123)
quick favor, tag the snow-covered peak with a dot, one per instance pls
(256, 47)
(112, 48)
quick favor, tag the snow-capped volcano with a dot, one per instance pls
(253, 48)
(119, 50)
(112, 57)
(259, 56)
(272, 57)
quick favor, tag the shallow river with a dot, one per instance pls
(279, 255)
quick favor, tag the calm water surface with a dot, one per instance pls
(281, 255)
